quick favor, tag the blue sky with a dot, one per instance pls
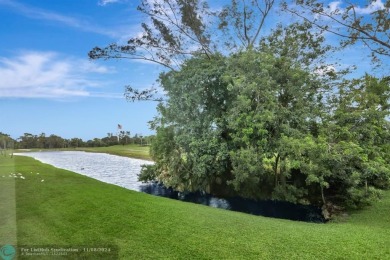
(47, 82)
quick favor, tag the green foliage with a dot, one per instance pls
(275, 100)
(289, 193)
(256, 124)
(73, 210)
(359, 197)
(358, 134)
(269, 119)
(168, 160)
(148, 173)
(6, 142)
(190, 149)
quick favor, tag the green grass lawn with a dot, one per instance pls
(67, 209)
(129, 150)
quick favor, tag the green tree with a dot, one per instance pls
(28, 141)
(227, 115)
(42, 140)
(110, 139)
(6, 142)
(124, 137)
(347, 163)
(76, 142)
(261, 117)
(361, 119)
(276, 99)
(190, 148)
(55, 141)
(256, 124)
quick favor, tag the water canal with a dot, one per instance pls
(123, 172)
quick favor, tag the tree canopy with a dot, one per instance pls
(262, 115)
(256, 125)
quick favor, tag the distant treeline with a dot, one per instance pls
(42, 141)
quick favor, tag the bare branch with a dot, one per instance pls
(133, 95)
(372, 30)
(268, 6)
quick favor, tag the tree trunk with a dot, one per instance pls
(276, 169)
(322, 195)
(366, 184)
(282, 172)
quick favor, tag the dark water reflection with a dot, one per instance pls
(267, 208)
(123, 172)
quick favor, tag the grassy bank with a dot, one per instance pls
(129, 150)
(58, 207)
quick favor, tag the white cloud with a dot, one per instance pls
(107, 95)
(324, 70)
(46, 75)
(372, 7)
(89, 66)
(42, 14)
(333, 6)
(106, 2)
